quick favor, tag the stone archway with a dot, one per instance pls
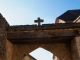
(61, 50)
(15, 41)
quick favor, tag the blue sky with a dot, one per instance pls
(21, 12)
(42, 54)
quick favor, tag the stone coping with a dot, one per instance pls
(45, 26)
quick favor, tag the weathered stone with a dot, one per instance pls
(3, 36)
(45, 26)
(54, 37)
(75, 48)
(16, 41)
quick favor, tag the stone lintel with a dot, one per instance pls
(45, 37)
(21, 35)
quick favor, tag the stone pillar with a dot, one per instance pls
(75, 45)
(3, 37)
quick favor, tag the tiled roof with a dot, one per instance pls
(70, 15)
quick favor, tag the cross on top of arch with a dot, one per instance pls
(39, 21)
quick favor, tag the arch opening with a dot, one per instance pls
(42, 54)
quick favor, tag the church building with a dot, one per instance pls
(70, 16)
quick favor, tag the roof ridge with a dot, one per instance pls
(73, 9)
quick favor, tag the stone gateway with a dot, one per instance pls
(63, 40)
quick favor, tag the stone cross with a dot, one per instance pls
(38, 21)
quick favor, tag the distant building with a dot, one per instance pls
(70, 16)
(28, 57)
(55, 58)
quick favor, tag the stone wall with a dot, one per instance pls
(9, 50)
(3, 36)
(76, 48)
